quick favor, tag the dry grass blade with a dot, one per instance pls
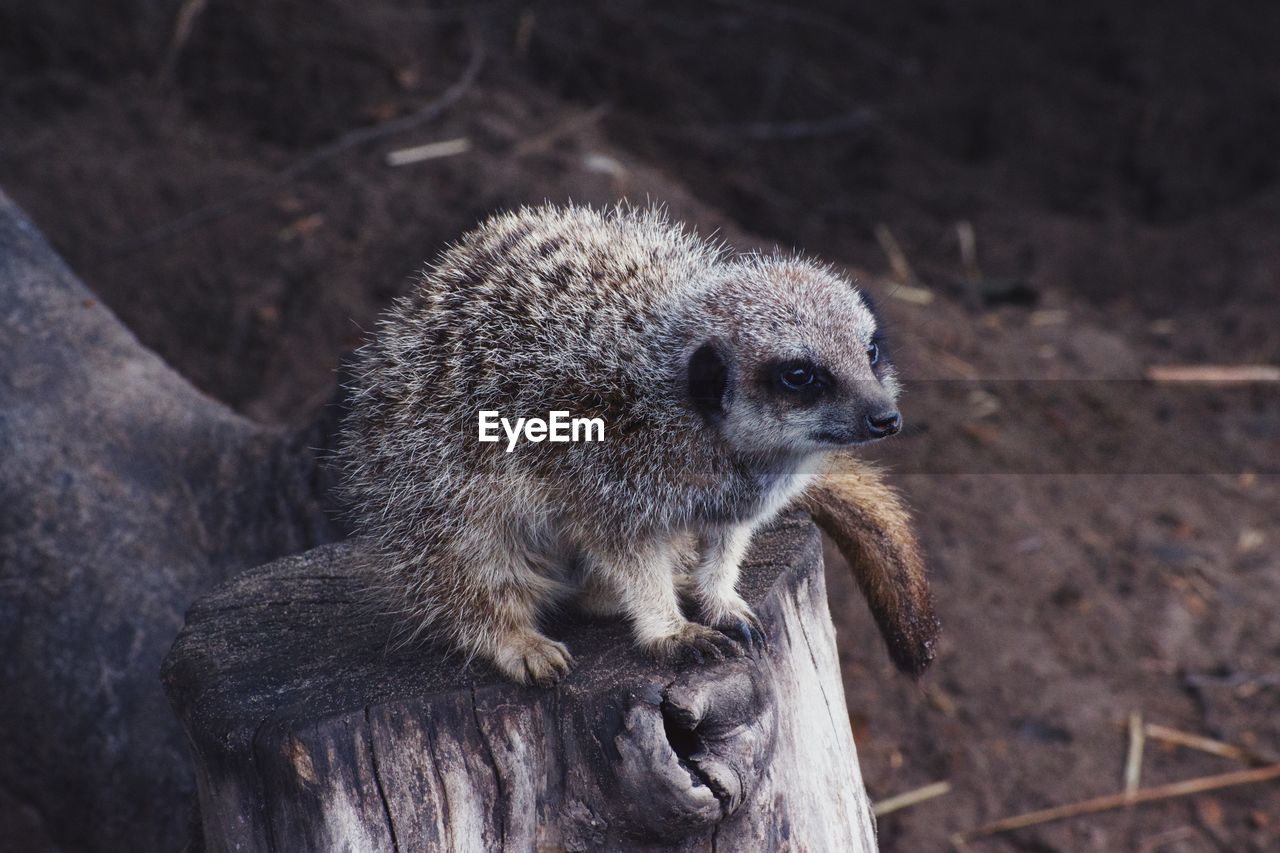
(182, 26)
(430, 151)
(1214, 374)
(525, 25)
(1115, 801)
(898, 262)
(968, 240)
(1204, 744)
(1133, 761)
(914, 295)
(910, 798)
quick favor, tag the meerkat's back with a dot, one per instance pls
(538, 304)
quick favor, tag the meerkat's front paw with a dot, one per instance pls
(734, 617)
(693, 643)
(534, 659)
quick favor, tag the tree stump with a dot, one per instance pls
(308, 734)
(124, 494)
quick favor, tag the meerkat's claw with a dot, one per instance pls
(740, 622)
(537, 660)
(751, 633)
(694, 644)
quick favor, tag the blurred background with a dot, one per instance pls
(1056, 205)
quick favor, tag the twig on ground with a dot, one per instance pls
(524, 32)
(1204, 744)
(968, 240)
(1114, 801)
(352, 139)
(1133, 761)
(910, 798)
(182, 26)
(914, 295)
(898, 262)
(909, 288)
(1214, 374)
(430, 151)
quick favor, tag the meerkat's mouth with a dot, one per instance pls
(840, 439)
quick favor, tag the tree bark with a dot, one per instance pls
(124, 494)
(308, 734)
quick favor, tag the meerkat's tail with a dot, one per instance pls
(871, 526)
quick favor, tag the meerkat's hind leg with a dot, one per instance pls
(498, 599)
(531, 657)
(598, 599)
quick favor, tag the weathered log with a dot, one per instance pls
(309, 734)
(124, 494)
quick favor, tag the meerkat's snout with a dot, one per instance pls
(884, 424)
(875, 415)
(860, 411)
(867, 423)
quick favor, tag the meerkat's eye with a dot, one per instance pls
(798, 375)
(873, 354)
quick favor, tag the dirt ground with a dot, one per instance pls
(1099, 546)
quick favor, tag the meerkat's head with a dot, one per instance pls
(792, 362)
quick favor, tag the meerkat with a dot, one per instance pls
(727, 385)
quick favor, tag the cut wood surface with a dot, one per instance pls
(308, 734)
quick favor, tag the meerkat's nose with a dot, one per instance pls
(884, 424)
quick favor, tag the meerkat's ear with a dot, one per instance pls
(871, 527)
(708, 378)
